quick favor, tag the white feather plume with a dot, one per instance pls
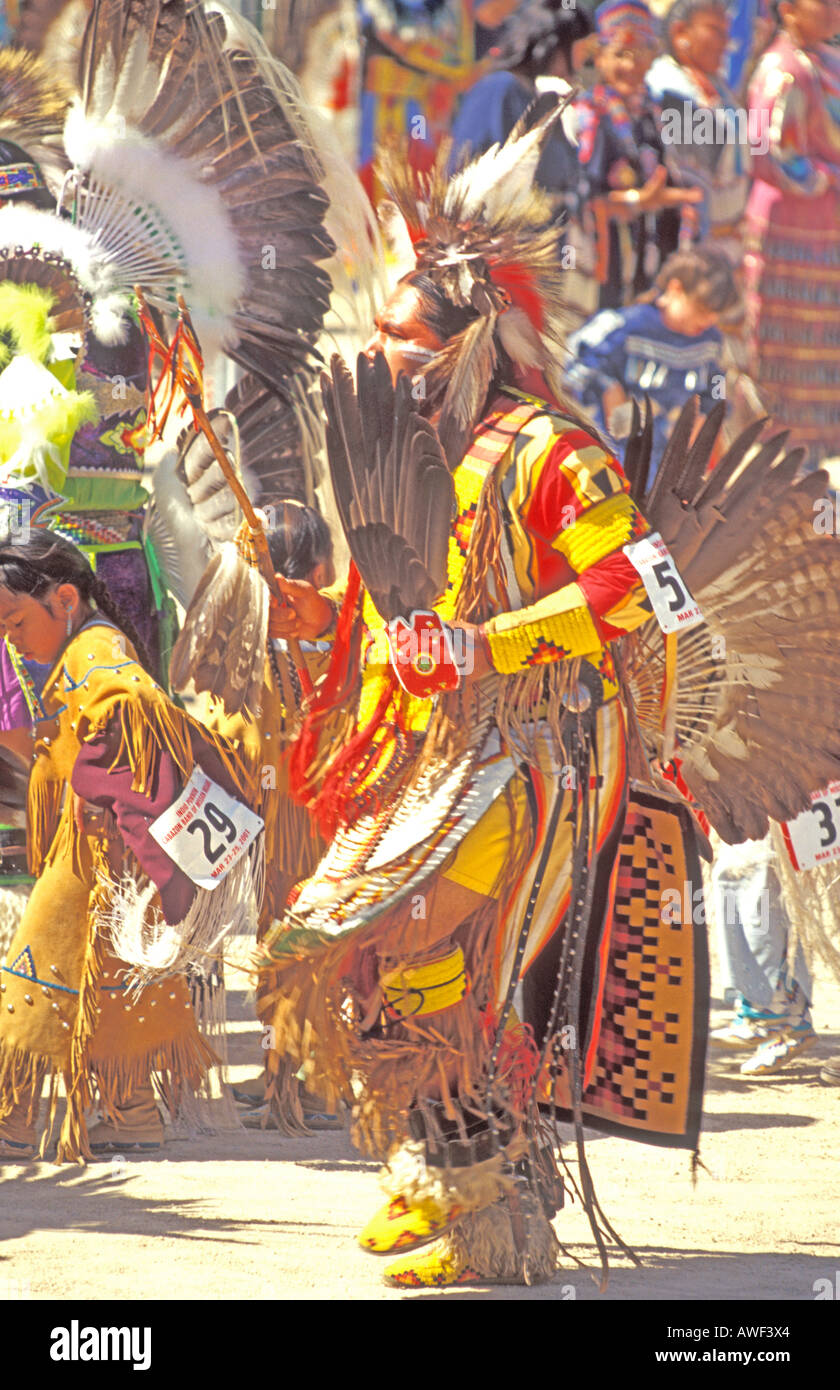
(27, 226)
(500, 183)
(194, 240)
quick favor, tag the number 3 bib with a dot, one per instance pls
(813, 837)
(206, 831)
(674, 608)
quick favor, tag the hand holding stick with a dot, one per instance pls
(188, 378)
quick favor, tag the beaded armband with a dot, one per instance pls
(558, 626)
(605, 528)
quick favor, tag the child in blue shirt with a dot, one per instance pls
(667, 346)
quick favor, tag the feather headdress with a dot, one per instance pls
(488, 237)
(191, 164)
(33, 104)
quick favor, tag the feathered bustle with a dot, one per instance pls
(756, 699)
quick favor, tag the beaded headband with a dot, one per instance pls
(626, 21)
(20, 178)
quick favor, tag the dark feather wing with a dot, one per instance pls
(639, 450)
(393, 489)
(758, 697)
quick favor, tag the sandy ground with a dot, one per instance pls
(258, 1216)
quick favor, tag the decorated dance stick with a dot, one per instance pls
(182, 366)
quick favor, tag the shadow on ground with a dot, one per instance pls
(104, 1198)
(685, 1274)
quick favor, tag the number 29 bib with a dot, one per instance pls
(206, 831)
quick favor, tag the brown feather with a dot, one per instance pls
(758, 689)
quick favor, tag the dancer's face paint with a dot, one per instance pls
(407, 342)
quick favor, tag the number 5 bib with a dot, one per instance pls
(206, 831)
(674, 608)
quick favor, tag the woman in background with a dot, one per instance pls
(792, 261)
(687, 81)
(629, 212)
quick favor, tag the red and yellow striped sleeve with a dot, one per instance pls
(569, 499)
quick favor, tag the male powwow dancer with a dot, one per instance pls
(482, 834)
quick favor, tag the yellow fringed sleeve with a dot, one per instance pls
(557, 626)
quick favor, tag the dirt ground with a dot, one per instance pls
(258, 1216)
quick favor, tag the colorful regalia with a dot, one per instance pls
(514, 786)
(620, 149)
(112, 737)
(570, 977)
(73, 379)
(792, 242)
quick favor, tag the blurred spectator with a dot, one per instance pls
(792, 261)
(772, 990)
(538, 41)
(629, 214)
(418, 56)
(711, 152)
(667, 347)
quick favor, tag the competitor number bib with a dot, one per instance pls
(813, 837)
(674, 608)
(206, 831)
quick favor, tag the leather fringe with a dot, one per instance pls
(324, 1010)
(22, 1074)
(315, 1027)
(42, 816)
(73, 1140)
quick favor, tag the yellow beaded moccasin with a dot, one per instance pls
(399, 1225)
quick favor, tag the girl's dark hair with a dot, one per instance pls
(703, 272)
(44, 560)
(299, 540)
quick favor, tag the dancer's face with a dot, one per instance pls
(623, 65)
(701, 41)
(36, 628)
(400, 333)
(811, 21)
